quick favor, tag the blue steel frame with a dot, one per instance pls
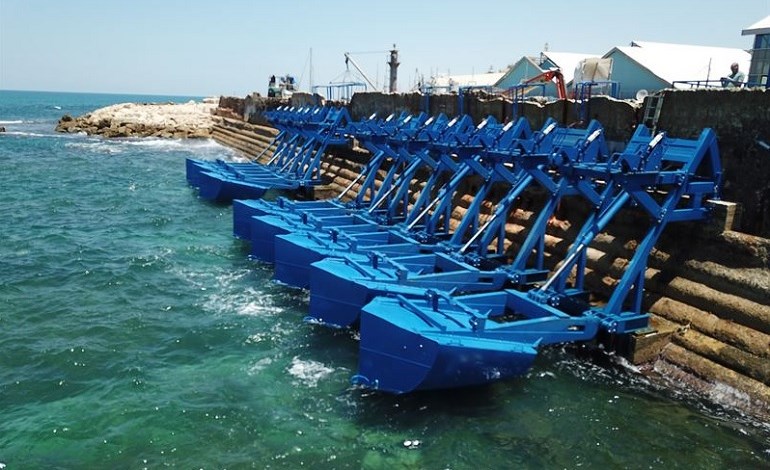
(666, 179)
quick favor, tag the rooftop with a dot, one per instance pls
(760, 27)
(680, 62)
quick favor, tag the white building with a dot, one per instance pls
(452, 83)
(652, 66)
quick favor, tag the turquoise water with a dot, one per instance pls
(135, 333)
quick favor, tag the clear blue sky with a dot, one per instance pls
(231, 47)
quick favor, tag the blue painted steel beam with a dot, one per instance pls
(295, 164)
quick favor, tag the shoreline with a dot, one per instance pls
(191, 120)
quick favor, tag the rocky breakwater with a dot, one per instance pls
(165, 120)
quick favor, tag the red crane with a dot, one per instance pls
(553, 75)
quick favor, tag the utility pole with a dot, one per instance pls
(393, 63)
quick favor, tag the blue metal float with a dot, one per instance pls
(385, 202)
(287, 120)
(444, 305)
(295, 163)
(471, 261)
(445, 341)
(372, 134)
(294, 252)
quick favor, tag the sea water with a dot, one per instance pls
(135, 333)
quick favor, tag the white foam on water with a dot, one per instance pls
(152, 142)
(724, 394)
(208, 143)
(228, 296)
(36, 134)
(222, 303)
(96, 146)
(259, 305)
(258, 337)
(626, 364)
(11, 122)
(412, 443)
(196, 145)
(228, 279)
(238, 159)
(259, 366)
(308, 373)
(122, 145)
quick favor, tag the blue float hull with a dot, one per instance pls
(336, 300)
(442, 342)
(398, 355)
(295, 252)
(340, 287)
(293, 256)
(245, 209)
(221, 188)
(265, 228)
(194, 169)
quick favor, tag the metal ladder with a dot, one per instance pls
(652, 111)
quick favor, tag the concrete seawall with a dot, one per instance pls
(740, 118)
(708, 289)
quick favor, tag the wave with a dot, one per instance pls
(117, 146)
(152, 142)
(37, 134)
(259, 366)
(100, 147)
(12, 122)
(308, 372)
(171, 143)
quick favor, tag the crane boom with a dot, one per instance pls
(350, 60)
(554, 75)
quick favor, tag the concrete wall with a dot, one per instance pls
(741, 119)
(618, 117)
(233, 104)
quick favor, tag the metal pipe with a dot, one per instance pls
(567, 263)
(479, 232)
(350, 186)
(382, 199)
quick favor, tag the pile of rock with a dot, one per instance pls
(166, 120)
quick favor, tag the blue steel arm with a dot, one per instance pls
(444, 164)
(380, 140)
(665, 165)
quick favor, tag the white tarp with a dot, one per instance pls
(593, 69)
